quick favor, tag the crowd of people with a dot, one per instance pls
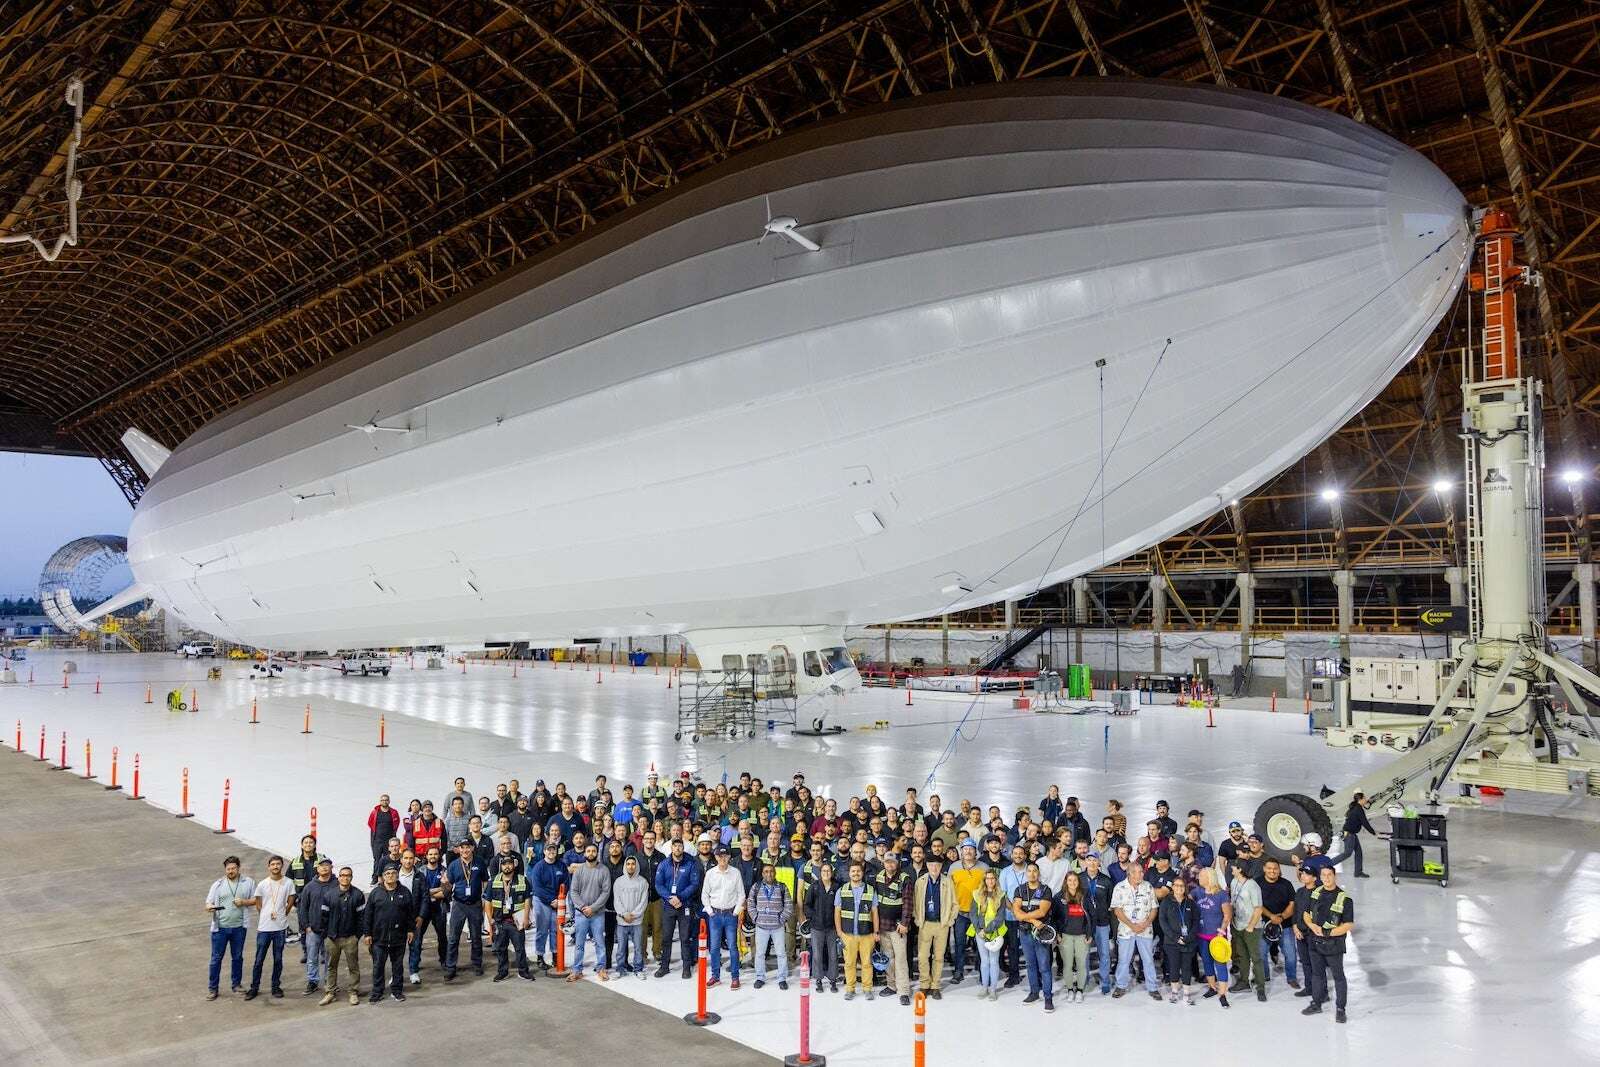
(886, 899)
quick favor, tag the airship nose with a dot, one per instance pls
(1430, 223)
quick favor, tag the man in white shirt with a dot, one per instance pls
(722, 895)
(1133, 902)
(1053, 865)
(274, 898)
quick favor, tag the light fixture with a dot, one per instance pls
(1330, 494)
(1441, 486)
(1572, 476)
(1234, 502)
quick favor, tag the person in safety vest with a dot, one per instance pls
(893, 885)
(506, 909)
(855, 919)
(301, 870)
(1328, 921)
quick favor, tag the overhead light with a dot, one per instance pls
(1330, 494)
(1441, 486)
(1234, 502)
(1572, 476)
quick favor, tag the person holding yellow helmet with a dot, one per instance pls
(1216, 921)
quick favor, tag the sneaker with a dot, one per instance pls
(278, 993)
(327, 998)
(661, 972)
(311, 987)
(1173, 997)
(1155, 995)
(1312, 1009)
(955, 979)
(212, 995)
(1224, 1000)
(253, 994)
(397, 996)
(906, 1001)
(1363, 874)
(761, 983)
(236, 989)
(355, 998)
(527, 976)
(849, 994)
(1049, 1005)
(416, 979)
(1303, 993)
(1119, 993)
(1190, 998)
(1261, 995)
(1210, 993)
(1012, 983)
(783, 983)
(1031, 998)
(501, 977)
(712, 983)
(734, 984)
(1293, 984)
(639, 974)
(1338, 1014)
(887, 992)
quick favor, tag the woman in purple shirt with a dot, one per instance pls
(1216, 920)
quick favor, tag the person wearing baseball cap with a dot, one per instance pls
(967, 877)
(722, 894)
(1235, 845)
(934, 900)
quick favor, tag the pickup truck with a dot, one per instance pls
(365, 663)
(193, 651)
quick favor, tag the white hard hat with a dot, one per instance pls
(705, 835)
(1314, 840)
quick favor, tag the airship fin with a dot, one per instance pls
(131, 595)
(146, 451)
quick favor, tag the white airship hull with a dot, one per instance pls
(670, 428)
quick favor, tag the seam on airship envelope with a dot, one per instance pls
(1066, 528)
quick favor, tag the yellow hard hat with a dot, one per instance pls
(1221, 949)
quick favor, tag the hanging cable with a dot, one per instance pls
(74, 188)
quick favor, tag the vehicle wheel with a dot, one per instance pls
(1393, 880)
(1444, 883)
(695, 739)
(386, 672)
(1285, 818)
(343, 669)
(363, 671)
(678, 736)
(752, 733)
(183, 706)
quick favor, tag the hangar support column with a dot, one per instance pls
(1584, 575)
(1158, 616)
(1345, 584)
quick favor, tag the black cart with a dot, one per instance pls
(1419, 849)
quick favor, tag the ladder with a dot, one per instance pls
(1474, 489)
(1494, 323)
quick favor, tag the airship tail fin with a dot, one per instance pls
(131, 595)
(146, 451)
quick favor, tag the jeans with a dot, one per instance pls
(824, 956)
(315, 947)
(1075, 953)
(439, 923)
(470, 916)
(392, 958)
(229, 939)
(587, 929)
(1290, 948)
(958, 950)
(778, 940)
(1352, 849)
(276, 939)
(1144, 945)
(1102, 947)
(628, 935)
(544, 929)
(989, 961)
(723, 929)
(1041, 974)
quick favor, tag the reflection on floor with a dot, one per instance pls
(1502, 961)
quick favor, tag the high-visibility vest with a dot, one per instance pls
(855, 908)
(497, 894)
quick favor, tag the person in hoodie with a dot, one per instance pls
(630, 896)
(588, 892)
(545, 880)
(1179, 919)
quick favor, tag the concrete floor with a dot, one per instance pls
(1499, 963)
(105, 951)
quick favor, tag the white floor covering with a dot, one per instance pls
(1503, 963)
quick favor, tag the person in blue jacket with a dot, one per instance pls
(545, 879)
(678, 886)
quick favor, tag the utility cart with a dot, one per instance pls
(1418, 849)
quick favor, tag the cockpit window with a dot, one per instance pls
(836, 659)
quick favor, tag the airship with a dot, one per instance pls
(902, 363)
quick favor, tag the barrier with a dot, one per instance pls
(381, 742)
(136, 795)
(185, 813)
(64, 680)
(669, 677)
(253, 720)
(88, 760)
(113, 784)
(63, 765)
(194, 700)
(1274, 705)
(149, 694)
(908, 692)
(804, 1058)
(19, 735)
(307, 728)
(227, 788)
(313, 822)
(700, 1016)
(561, 934)
(599, 675)
(1211, 723)
(919, 1054)
(97, 685)
(30, 674)
(41, 746)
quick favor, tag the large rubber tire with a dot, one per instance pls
(1285, 818)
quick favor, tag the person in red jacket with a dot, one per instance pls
(384, 822)
(427, 831)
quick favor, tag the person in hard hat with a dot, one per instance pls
(1216, 920)
(1179, 919)
(1311, 856)
(1328, 920)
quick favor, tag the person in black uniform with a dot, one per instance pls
(504, 898)
(389, 923)
(1329, 917)
(1355, 820)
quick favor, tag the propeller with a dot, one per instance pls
(786, 226)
